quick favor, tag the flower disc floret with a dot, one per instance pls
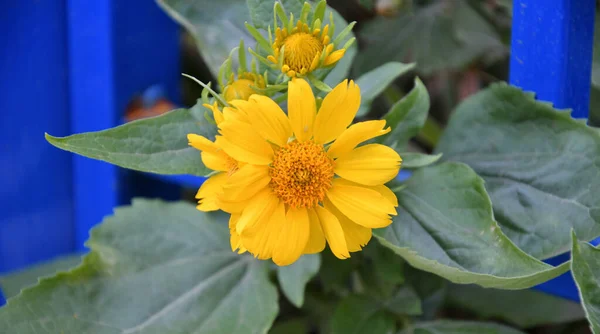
(301, 174)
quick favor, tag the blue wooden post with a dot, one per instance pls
(93, 107)
(116, 49)
(551, 55)
(36, 191)
(67, 67)
(551, 51)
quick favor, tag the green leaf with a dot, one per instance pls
(406, 117)
(293, 278)
(381, 271)
(585, 266)
(374, 82)
(418, 160)
(540, 167)
(292, 326)
(440, 36)
(594, 119)
(359, 314)
(217, 26)
(365, 314)
(508, 4)
(342, 67)
(404, 302)
(334, 274)
(261, 11)
(320, 308)
(156, 145)
(596, 58)
(445, 226)
(386, 264)
(154, 267)
(459, 327)
(368, 4)
(526, 308)
(14, 282)
(430, 288)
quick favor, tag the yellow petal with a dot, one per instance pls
(357, 236)
(216, 161)
(231, 206)
(387, 193)
(316, 239)
(258, 210)
(302, 108)
(337, 112)
(356, 134)
(246, 137)
(362, 205)
(201, 143)
(238, 113)
(217, 114)
(269, 120)
(246, 182)
(382, 189)
(333, 233)
(262, 238)
(244, 144)
(293, 237)
(212, 155)
(208, 192)
(372, 164)
(234, 239)
(334, 57)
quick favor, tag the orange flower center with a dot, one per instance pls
(301, 174)
(300, 50)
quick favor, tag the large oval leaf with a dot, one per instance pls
(357, 314)
(217, 26)
(156, 145)
(523, 308)
(459, 327)
(261, 11)
(585, 267)
(445, 226)
(293, 278)
(154, 267)
(439, 36)
(12, 283)
(540, 166)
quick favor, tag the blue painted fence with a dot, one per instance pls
(72, 66)
(551, 55)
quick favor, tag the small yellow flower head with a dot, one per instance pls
(294, 182)
(303, 46)
(244, 83)
(244, 86)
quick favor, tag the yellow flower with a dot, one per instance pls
(303, 47)
(244, 83)
(243, 86)
(300, 180)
